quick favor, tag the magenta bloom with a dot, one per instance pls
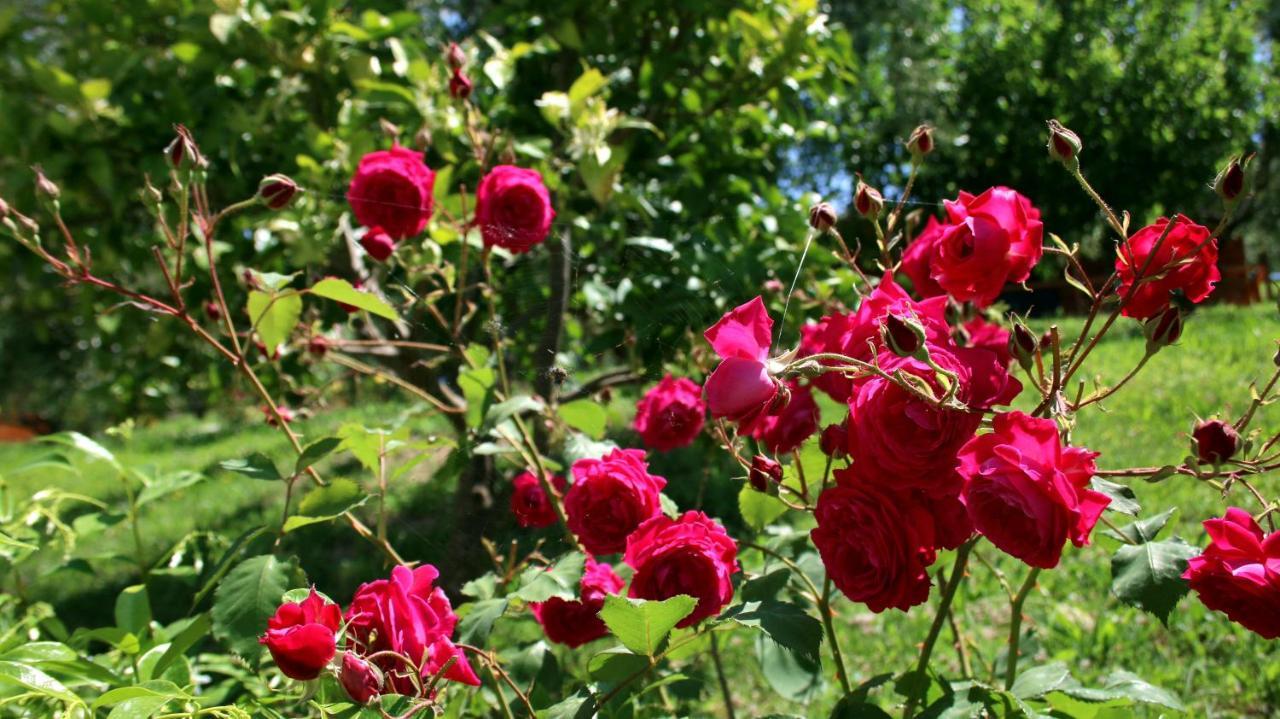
(1239, 573)
(301, 636)
(513, 208)
(574, 623)
(670, 414)
(610, 497)
(392, 189)
(691, 555)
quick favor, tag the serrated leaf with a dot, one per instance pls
(274, 316)
(325, 503)
(615, 665)
(1038, 681)
(255, 466)
(154, 689)
(225, 562)
(502, 411)
(792, 676)
(315, 452)
(369, 444)
(477, 619)
(340, 290)
(272, 281)
(1123, 500)
(642, 625)
(758, 509)
(562, 579)
(197, 630)
(581, 705)
(1149, 575)
(1134, 687)
(167, 485)
(765, 587)
(247, 597)
(785, 623)
(1143, 530)
(585, 415)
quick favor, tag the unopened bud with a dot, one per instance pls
(460, 86)
(4, 209)
(360, 678)
(390, 129)
(1229, 183)
(822, 217)
(867, 200)
(834, 441)
(765, 474)
(921, 142)
(422, 138)
(183, 153)
(1064, 145)
(1215, 441)
(212, 311)
(903, 335)
(152, 197)
(378, 244)
(285, 413)
(455, 57)
(46, 190)
(1163, 330)
(317, 346)
(1023, 345)
(277, 191)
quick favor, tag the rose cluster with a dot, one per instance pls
(398, 637)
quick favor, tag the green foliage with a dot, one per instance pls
(642, 625)
(247, 597)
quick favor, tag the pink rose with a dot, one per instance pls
(671, 414)
(875, 543)
(610, 497)
(302, 636)
(787, 427)
(531, 506)
(741, 389)
(1239, 573)
(1026, 492)
(917, 260)
(691, 555)
(988, 336)
(392, 190)
(1187, 261)
(378, 244)
(989, 240)
(574, 623)
(513, 208)
(361, 680)
(406, 614)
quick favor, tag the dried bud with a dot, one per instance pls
(1023, 345)
(422, 138)
(212, 311)
(765, 474)
(921, 142)
(250, 281)
(4, 209)
(460, 86)
(1215, 441)
(1064, 145)
(1229, 184)
(1163, 330)
(361, 679)
(455, 57)
(46, 190)
(277, 191)
(903, 334)
(822, 217)
(867, 200)
(378, 244)
(390, 129)
(317, 346)
(834, 441)
(152, 197)
(285, 413)
(182, 153)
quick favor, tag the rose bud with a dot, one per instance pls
(867, 200)
(378, 244)
(362, 680)
(4, 209)
(46, 191)
(182, 153)
(460, 86)
(1230, 181)
(1023, 345)
(834, 441)
(285, 413)
(152, 197)
(455, 56)
(1064, 145)
(773, 285)
(318, 345)
(1163, 330)
(1215, 441)
(212, 311)
(277, 191)
(921, 142)
(301, 636)
(422, 138)
(765, 474)
(822, 217)
(903, 335)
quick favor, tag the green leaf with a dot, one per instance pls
(83, 444)
(35, 680)
(586, 416)
(133, 609)
(340, 290)
(274, 316)
(272, 281)
(324, 503)
(139, 707)
(791, 675)
(587, 84)
(197, 630)
(477, 618)
(1144, 530)
(580, 446)
(1134, 687)
(656, 244)
(758, 509)
(616, 664)
(247, 598)
(1149, 576)
(1123, 500)
(582, 705)
(255, 466)
(477, 389)
(154, 689)
(39, 652)
(785, 623)
(167, 485)
(765, 587)
(94, 89)
(315, 452)
(851, 707)
(369, 444)
(642, 625)
(1038, 681)
(498, 413)
(561, 579)
(224, 563)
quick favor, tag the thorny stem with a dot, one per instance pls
(824, 608)
(1247, 417)
(1106, 209)
(902, 201)
(1103, 394)
(1015, 627)
(939, 618)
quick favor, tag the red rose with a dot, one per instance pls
(301, 636)
(576, 623)
(392, 190)
(787, 427)
(1239, 573)
(989, 240)
(1215, 441)
(989, 336)
(1187, 261)
(530, 504)
(1026, 492)
(917, 260)
(361, 680)
(876, 545)
(513, 208)
(691, 555)
(671, 414)
(741, 389)
(407, 615)
(378, 244)
(610, 497)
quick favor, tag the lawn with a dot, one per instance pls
(1219, 669)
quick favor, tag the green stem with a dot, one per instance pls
(940, 618)
(824, 608)
(724, 682)
(1015, 627)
